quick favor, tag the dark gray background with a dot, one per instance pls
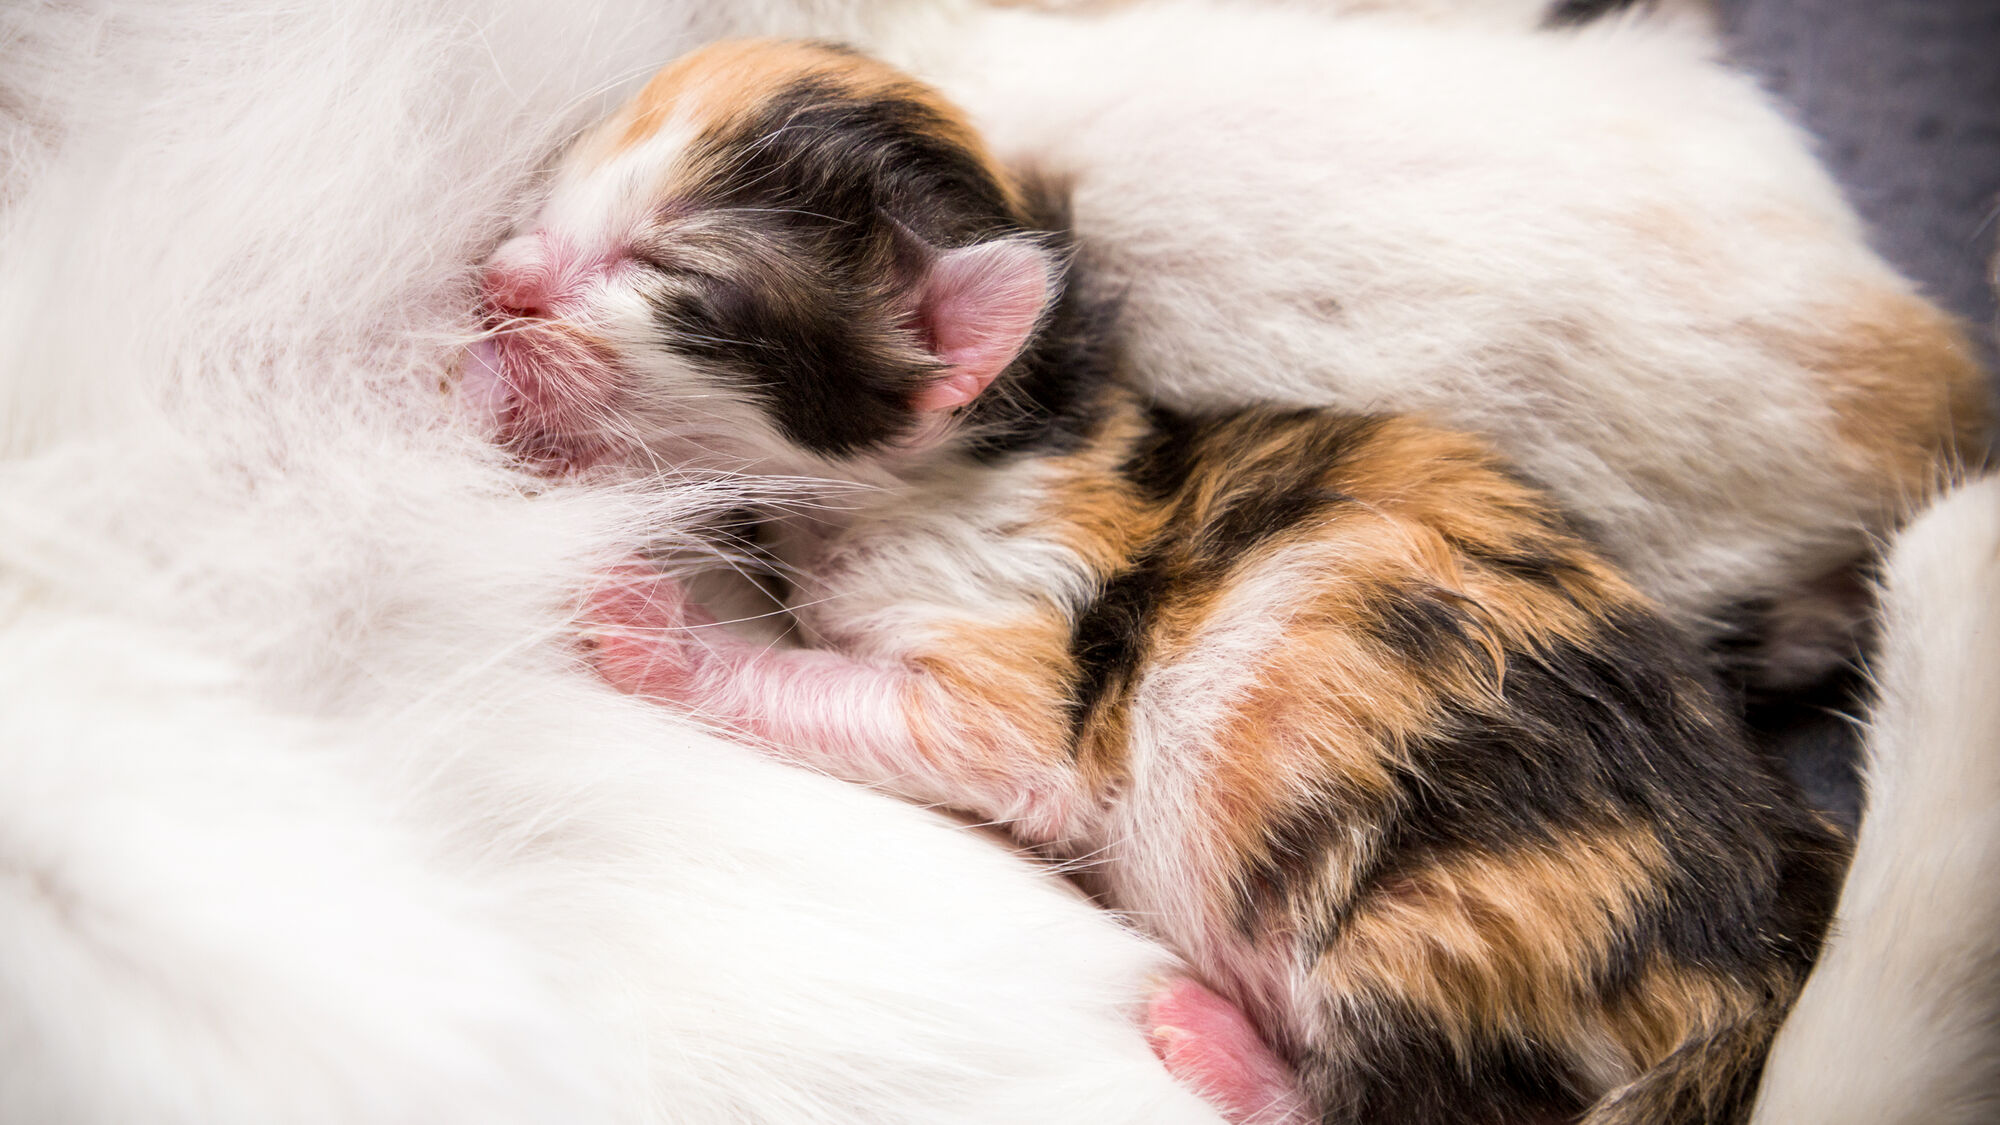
(1905, 98)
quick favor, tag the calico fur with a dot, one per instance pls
(238, 248)
(1335, 703)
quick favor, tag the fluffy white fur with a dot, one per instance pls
(1901, 1021)
(310, 815)
(1600, 247)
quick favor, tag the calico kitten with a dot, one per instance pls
(1336, 704)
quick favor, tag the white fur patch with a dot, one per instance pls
(1900, 1021)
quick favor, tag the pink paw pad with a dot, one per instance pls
(1209, 1045)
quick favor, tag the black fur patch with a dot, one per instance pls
(1426, 626)
(1167, 454)
(1262, 499)
(1403, 1070)
(829, 388)
(1270, 507)
(1271, 468)
(1624, 730)
(1543, 568)
(1111, 638)
(816, 183)
(1575, 13)
(1621, 731)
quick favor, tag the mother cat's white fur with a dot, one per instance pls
(1900, 1024)
(302, 819)
(307, 813)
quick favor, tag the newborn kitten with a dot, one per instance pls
(1336, 704)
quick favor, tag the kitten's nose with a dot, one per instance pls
(518, 279)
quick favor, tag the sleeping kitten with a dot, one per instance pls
(1334, 703)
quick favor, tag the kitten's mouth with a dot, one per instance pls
(539, 391)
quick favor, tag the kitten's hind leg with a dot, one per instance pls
(1210, 1046)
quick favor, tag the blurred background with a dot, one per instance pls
(1905, 98)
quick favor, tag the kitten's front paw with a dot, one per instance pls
(640, 634)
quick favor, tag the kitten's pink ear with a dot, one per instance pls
(977, 306)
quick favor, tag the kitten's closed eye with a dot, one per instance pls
(666, 260)
(708, 317)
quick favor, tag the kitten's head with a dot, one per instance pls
(778, 257)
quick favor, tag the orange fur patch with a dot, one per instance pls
(710, 90)
(1908, 396)
(1002, 685)
(1501, 942)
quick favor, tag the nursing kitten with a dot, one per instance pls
(1334, 703)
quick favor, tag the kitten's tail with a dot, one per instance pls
(1901, 1021)
(1709, 1080)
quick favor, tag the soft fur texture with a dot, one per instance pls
(1335, 704)
(308, 815)
(1596, 246)
(1901, 1022)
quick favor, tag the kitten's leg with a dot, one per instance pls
(957, 727)
(1211, 1047)
(917, 728)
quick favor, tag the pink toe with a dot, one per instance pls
(1209, 1044)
